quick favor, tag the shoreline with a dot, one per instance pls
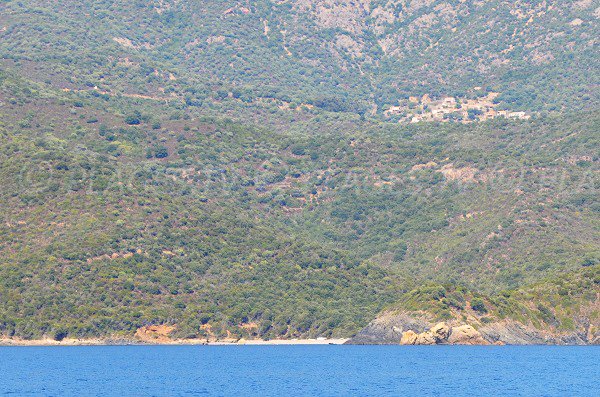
(166, 342)
(7, 342)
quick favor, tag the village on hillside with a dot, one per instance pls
(449, 108)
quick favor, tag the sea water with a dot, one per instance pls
(300, 371)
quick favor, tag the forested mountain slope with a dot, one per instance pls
(228, 167)
(358, 56)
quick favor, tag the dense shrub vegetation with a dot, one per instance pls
(228, 169)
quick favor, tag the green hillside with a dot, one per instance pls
(229, 168)
(339, 55)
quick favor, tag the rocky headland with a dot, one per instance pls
(411, 329)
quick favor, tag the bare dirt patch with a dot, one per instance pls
(155, 333)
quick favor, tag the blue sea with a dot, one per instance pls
(300, 371)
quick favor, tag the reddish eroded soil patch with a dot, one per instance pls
(155, 333)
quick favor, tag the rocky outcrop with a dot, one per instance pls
(466, 335)
(388, 330)
(442, 333)
(402, 329)
(409, 338)
(425, 338)
(438, 334)
(514, 333)
(406, 330)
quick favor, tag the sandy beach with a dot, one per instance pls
(318, 341)
(116, 341)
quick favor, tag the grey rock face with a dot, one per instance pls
(388, 330)
(513, 333)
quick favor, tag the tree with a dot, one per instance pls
(134, 119)
(161, 152)
(478, 305)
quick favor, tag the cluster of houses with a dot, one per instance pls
(464, 110)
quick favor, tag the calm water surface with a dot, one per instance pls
(300, 371)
